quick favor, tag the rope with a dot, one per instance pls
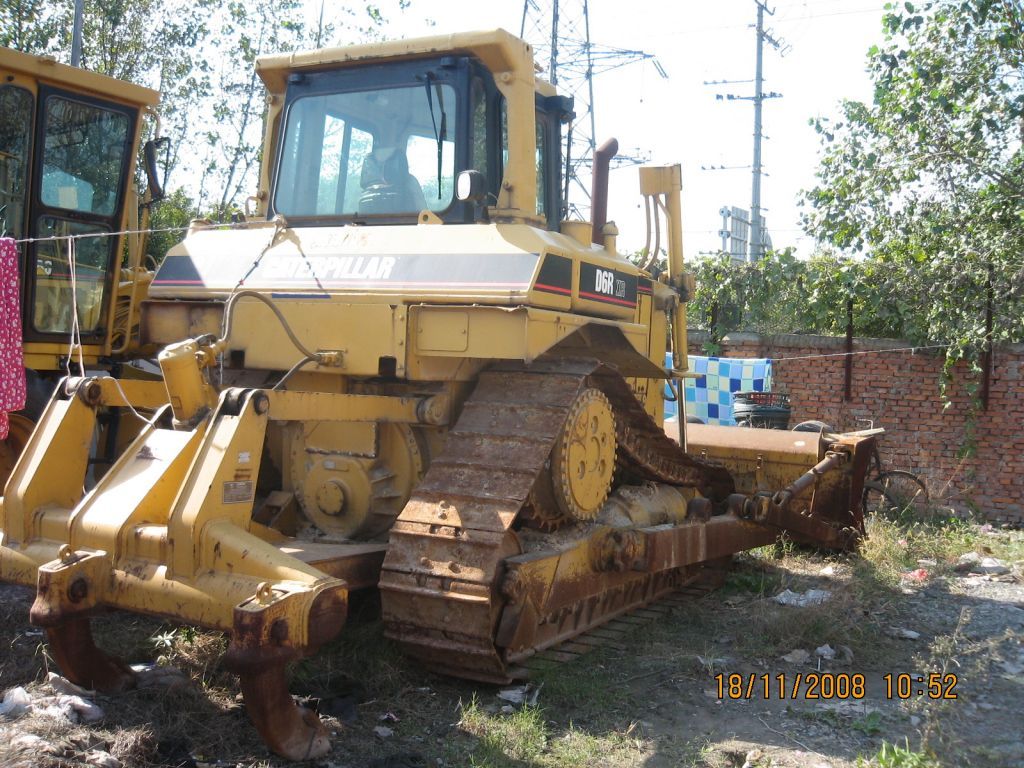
(85, 235)
(862, 352)
(75, 341)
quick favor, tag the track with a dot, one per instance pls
(615, 633)
(442, 583)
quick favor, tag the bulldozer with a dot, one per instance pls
(69, 140)
(404, 371)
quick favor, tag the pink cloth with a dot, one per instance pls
(12, 364)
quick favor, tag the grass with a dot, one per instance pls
(590, 710)
(893, 756)
(526, 737)
(504, 739)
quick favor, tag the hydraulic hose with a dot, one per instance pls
(229, 311)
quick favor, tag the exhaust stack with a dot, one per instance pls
(599, 189)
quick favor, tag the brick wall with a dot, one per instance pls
(900, 391)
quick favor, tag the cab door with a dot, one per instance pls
(80, 163)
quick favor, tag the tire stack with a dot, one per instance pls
(764, 410)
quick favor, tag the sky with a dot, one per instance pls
(679, 119)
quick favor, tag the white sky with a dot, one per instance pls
(679, 119)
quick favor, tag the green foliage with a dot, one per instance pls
(170, 218)
(200, 55)
(870, 724)
(929, 177)
(28, 25)
(894, 756)
(783, 294)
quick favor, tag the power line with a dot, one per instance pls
(757, 232)
(559, 31)
(786, 20)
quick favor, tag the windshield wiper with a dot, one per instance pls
(439, 136)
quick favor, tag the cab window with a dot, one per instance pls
(81, 172)
(15, 143)
(85, 153)
(389, 150)
(52, 309)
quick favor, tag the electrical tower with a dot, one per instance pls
(559, 31)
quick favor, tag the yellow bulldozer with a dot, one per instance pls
(68, 145)
(403, 371)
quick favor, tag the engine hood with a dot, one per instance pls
(498, 261)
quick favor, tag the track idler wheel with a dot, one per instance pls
(73, 648)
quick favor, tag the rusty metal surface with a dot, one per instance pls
(822, 494)
(443, 584)
(358, 565)
(799, 447)
(701, 584)
(72, 647)
(262, 646)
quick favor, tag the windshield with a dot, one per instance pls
(385, 151)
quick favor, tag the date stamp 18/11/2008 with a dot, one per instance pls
(833, 685)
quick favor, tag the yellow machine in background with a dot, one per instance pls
(406, 371)
(68, 145)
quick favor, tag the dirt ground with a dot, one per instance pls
(652, 703)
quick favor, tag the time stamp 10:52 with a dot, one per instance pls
(834, 685)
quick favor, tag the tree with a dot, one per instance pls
(28, 25)
(171, 218)
(929, 177)
(232, 141)
(780, 293)
(200, 55)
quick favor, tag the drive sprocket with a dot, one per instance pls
(583, 460)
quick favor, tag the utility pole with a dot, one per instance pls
(76, 34)
(553, 61)
(756, 235)
(756, 243)
(755, 189)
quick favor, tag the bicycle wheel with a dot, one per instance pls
(813, 426)
(897, 492)
(907, 487)
(875, 500)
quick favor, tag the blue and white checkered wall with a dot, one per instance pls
(709, 396)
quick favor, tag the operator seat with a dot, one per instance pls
(388, 187)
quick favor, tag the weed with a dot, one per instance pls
(164, 641)
(894, 756)
(755, 581)
(826, 716)
(501, 740)
(870, 724)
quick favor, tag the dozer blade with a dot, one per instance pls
(167, 532)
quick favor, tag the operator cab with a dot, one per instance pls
(380, 143)
(72, 184)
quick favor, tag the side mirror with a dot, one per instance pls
(471, 187)
(153, 180)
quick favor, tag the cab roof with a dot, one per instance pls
(48, 70)
(500, 51)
